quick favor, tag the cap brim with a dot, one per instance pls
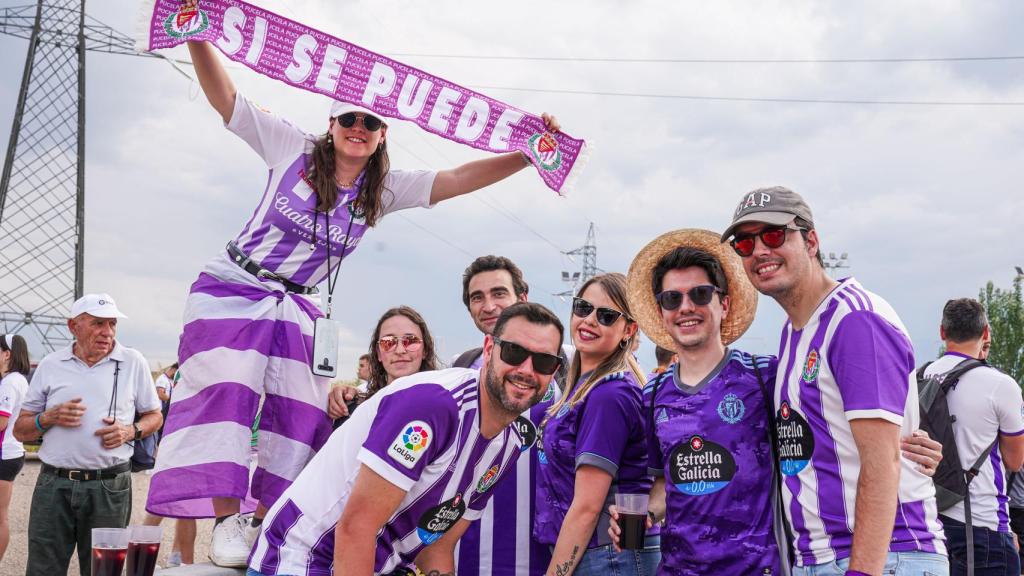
(338, 108)
(106, 313)
(766, 217)
(742, 295)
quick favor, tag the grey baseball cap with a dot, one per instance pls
(776, 206)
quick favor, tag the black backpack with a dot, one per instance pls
(952, 482)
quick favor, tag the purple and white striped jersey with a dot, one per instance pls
(421, 433)
(502, 543)
(279, 234)
(852, 360)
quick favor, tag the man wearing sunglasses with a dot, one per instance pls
(501, 543)
(845, 394)
(405, 476)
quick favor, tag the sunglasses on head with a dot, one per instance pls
(371, 123)
(409, 342)
(605, 316)
(771, 237)
(699, 295)
(513, 354)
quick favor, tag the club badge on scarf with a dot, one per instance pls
(312, 60)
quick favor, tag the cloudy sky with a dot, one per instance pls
(925, 199)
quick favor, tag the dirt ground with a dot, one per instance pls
(13, 563)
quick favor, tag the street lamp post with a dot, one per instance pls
(833, 264)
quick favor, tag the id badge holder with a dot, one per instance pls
(325, 347)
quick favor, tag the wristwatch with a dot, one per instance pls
(138, 431)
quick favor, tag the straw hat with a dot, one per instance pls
(742, 296)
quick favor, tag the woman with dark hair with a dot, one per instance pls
(249, 318)
(14, 368)
(592, 440)
(401, 345)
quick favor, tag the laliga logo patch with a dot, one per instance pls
(189, 20)
(796, 442)
(488, 479)
(731, 409)
(440, 519)
(700, 467)
(527, 431)
(811, 366)
(411, 444)
(544, 149)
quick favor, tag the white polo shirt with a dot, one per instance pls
(987, 404)
(61, 376)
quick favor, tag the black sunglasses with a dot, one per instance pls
(605, 316)
(371, 123)
(772, 237)
(513, 354)
(699, 295)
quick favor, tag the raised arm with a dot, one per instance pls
(213, 79)
(372, 502)
(478, 174)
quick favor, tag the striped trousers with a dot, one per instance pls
(243, 339)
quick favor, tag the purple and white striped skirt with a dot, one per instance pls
(243, 339)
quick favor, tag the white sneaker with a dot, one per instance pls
(174, 560)
(229, 548)
(251, 533)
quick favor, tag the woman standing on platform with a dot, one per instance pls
(249, 317)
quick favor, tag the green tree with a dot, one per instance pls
(1005, 309)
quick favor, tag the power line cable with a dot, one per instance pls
(711, 60)
(752, 98)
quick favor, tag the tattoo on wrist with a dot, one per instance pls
(439, 573)
(565, 568)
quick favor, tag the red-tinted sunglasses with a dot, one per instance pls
(409, 342)
(771, 237)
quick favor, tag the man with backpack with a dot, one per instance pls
(981, 408)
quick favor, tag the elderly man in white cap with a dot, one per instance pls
(82, 402)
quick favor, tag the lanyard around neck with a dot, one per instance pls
(332, 282)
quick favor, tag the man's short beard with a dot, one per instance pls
(496, 390)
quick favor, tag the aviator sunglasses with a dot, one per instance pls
(371, 123)
(409, 342)
(513, 354)
(771, 237)
(605, 316)
(699, 295)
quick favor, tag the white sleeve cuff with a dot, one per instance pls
(378, 465)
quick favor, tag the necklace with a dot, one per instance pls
(343, 183)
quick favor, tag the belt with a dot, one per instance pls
(87, 475)
(247, 264)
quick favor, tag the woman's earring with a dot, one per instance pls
(623, 344)
(330, 139)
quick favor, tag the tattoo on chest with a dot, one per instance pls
(565, 568)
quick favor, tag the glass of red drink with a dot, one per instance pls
(632, 509)
(143, 546)
(109, 548)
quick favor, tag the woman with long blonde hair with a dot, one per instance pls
(593, 443)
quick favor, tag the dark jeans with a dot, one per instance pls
(1017, 525)
(63, 514)
(994, 552)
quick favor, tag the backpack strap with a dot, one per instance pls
(954, 375)
(787, 550)
(466, 359)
